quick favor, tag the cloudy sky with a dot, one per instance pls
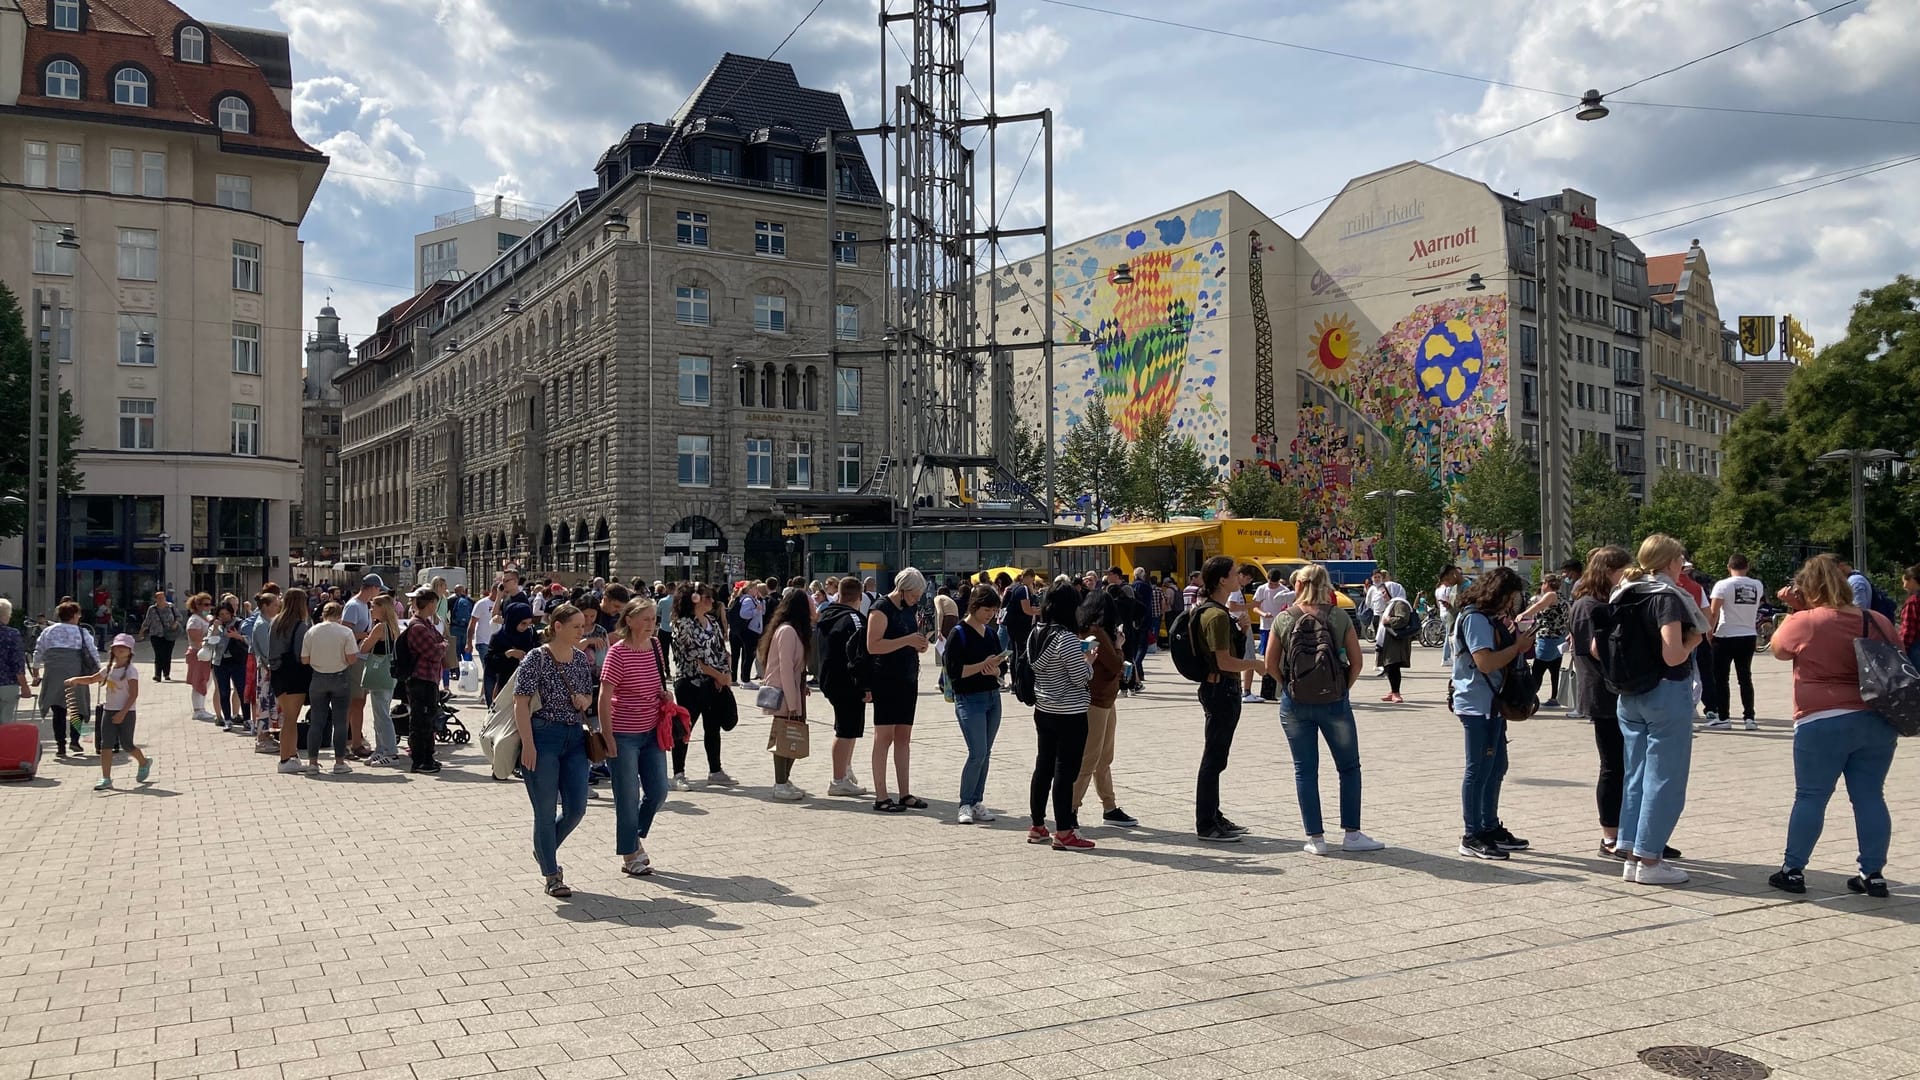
(460, 99)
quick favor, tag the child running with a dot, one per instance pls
(113, 730)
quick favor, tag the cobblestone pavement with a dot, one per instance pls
(228, 921)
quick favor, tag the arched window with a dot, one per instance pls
(746, 385)
(769, 388)
(546, 331)
(62, 80)
(130, 87)
(573, 318)
(810, 389)
(235, 115)
(605, 297)
(193, 45)
(586, 309)
(790, 388)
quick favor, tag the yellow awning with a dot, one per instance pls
(1141, 533)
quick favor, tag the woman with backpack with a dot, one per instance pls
(1550, 611)
(1313, 652)
(973, 657)
(1398, 627)
(784, 650)
(1062, 675)
(1488, 652)
(1103, 614)
(1835, 733)
(1655, 626)
(553, 738)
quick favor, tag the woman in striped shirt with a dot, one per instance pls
(1061, 674)
(631, 690)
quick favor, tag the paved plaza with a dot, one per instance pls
(228, 921)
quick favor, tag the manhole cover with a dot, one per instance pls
(1702, 1063)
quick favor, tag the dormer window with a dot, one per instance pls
(62, 80)
(721, 161)
(780, 170)
(235, 115)
(130, 87)
(66, 15)
(193, 45)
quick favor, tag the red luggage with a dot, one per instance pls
(19, 751)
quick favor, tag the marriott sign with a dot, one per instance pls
(1466, 237)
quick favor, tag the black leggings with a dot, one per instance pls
(1612, 746)
(1735, 653)
(1063, 743)
(690, 700)
(230, 681)
(1552, 667)
(1393, 676)
(162, 657)
(745, 649)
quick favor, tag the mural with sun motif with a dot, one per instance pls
(1332, 341)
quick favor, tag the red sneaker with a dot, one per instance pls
(1038, 835)
(1069, 840)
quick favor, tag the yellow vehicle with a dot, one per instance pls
(1179, 547)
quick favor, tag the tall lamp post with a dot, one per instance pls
(1858, 462)
(1393, 508)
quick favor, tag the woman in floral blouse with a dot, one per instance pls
(553, 738)
(701, 672)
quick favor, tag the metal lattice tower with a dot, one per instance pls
(946, 229)
(1263, 434)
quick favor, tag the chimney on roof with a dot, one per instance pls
(498, 202)
(1696, 243)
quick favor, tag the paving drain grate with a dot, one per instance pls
(1702, 1063)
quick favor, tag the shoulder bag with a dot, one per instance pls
(1889, 682)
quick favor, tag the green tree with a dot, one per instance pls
(1167, 474)
(1604, 509)
(1500, 495)
(1093, 462)
(1254, 493)
(1029, 449)
(1418, 549)
(1679, 504)
(16, 386)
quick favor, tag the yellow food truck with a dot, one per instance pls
(1179, 547)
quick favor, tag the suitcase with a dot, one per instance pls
(19, 751)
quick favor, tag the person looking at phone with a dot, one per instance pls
(973, 658)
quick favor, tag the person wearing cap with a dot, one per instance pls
(114, 729)
(1270, 600)
(429, 650)
(357, 615)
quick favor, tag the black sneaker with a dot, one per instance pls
(1872, 884)
(1505, 840)
(1790, 879)
(1228, 825)
(429, 768)
(1220, 834)
(1118, 818)
(1480, 847)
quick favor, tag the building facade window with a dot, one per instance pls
(846, 391)
(720, 161)
(193, 45)
(770, 238)
(137, 422)
(66, 173)
(844, 178)
(233, 192)
(130, 88)
(690, 306)
(690, 228)
(759, 463)
(63, 336)
(780, 170)
(139, 251)
(800, 465)
(48, 256)
(846, 250)
(235, 115)
(34, 172)
(437, 260)
(846, 321)
(133, 351)
(61, 80)
(770, 313)
(696, 380)
(695, 461)
(66, 14)
(246, 430)
(246, 348)
(246, 266)
(847, 466)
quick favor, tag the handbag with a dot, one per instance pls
(788, 738)
(1888, 680)
(770, 699)
(209, 650)
(718, 703)
(376, 672)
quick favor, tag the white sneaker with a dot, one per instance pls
(292, 767)
(1359, 841)
(1660, 873)
(341, 768)
(679, 782)
(966, 814)
(1715, 723)
(1630, 870)
(720, 779)
(981, 814)
(311, 767)
(1752, 724)
(749, 685)
(1316, 845)
(1250, 699)
(787, 793)
(847, 786)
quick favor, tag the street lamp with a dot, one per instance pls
(1393, 506)
(1591, 107)
(1860, 460)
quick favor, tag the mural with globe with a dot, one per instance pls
(1435, 384)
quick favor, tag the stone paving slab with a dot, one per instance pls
(228, 921)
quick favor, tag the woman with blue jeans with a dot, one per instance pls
(1306, 723)
(632, 689)
(1835, 734)
(553, 742)
(972, 656)
(1483, 648)
(1656, 724)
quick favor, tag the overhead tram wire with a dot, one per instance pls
(1775, 198)
(1617, 222)
(1729, 48)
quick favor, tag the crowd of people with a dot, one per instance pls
(607, 682)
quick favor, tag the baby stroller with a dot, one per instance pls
(447, 726)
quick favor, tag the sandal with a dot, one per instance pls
(640, 867)
(912, 802)
(557, 887)
(888, 806)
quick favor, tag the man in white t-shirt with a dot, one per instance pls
(480, 632)
(1734, 611)
(1270, 599)
(1238, 607)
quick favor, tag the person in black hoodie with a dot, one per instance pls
(511, 643)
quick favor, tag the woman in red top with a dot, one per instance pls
(631, 690)
(1835, 734)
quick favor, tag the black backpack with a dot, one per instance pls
(1314, 673)
(1023, 688)
(1517, 697)
(859, 662)
(403, 661)
(1190, 660)
(1631, 657)
(737, 624)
